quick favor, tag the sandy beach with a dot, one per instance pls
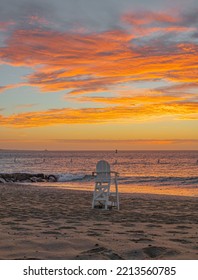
(48, 223)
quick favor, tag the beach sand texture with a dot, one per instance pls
(48, 223)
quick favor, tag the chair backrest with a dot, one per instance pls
(103, 171)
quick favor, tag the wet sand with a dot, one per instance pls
(48, 223)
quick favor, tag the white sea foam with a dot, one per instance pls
(69, 177)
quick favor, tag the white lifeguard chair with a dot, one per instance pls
(104, 195)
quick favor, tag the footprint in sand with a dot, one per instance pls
(141, 240)
(153, 226)
(156, 252)
(177, 232)
(98, 253)
(183, 241)
(93, 233)
(183, 227)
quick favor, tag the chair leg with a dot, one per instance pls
(117, 195)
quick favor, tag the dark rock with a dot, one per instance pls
(34, 179)
(2, 180)
(52, 178)
(21, 177)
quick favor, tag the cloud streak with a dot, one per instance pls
(124, 113)
(129, 141)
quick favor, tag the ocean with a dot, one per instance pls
(156, 172)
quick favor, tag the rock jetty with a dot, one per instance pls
(26, 178)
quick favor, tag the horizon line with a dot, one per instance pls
(101, 150)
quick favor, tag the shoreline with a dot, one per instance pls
(145, 185)
(55, 223)
(127, 194)
(170, 191)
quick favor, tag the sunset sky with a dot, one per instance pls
(90, 74)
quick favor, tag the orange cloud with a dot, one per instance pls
(93, 62)
(134, 99)
(147, 23)
(178, 87)
(4, 25)
(120, 114)
(26, 105)
(11, 86)
(89, 62)
(147, 17)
